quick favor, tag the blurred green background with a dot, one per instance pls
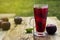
(25, 7)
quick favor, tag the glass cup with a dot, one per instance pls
(40, 16)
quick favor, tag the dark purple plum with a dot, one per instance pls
(5, 19)
(18, 20)
(51, 29)
(5, 25)
(0, 23)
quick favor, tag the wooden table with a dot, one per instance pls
(17, 33)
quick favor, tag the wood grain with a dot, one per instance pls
(18, 33)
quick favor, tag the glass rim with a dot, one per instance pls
(40, 5)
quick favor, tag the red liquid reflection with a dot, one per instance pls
(40, 15)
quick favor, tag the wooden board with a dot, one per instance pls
(18, 33)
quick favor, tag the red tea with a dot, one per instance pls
(40, 15)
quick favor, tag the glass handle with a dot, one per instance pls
(31, 22)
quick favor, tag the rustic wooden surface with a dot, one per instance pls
(18, 33)
(9, 15)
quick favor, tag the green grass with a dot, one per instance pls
(20, 7)
(25, 7)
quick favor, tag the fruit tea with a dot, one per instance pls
(40, 14)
